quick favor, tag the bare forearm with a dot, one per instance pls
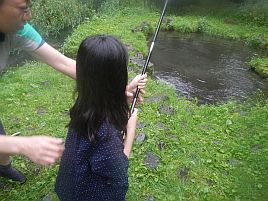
(128, 148)
(55, 59)
(10, 145)
(131, 128)
(40, 149)
(129, 142)
(68, 68)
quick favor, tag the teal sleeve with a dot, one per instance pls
(28, 38)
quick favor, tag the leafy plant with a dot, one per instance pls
(260, 65)
(52, 16)
(255, 12)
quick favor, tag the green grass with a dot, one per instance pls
(34, 101)
(124, 22)
(222, 149)
(260, 65)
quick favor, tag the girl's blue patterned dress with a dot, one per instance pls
(93, 171)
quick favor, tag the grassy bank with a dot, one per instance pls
(209, 152)
(253, 36)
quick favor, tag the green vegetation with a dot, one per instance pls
(34, 101)
(208, 152)
(52, 16)
(226, 27)
(260, 65)
(254, 12)
(245, 20)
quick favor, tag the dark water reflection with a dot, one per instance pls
(211, 69)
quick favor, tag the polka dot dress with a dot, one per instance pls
(96, 172)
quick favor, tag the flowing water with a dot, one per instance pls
(210, 69)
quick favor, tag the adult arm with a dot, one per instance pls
(55, 59)
(40, 149)
(30, 40)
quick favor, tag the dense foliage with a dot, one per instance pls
(52, 16)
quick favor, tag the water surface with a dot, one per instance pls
(210, 69)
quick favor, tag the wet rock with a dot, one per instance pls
(184, 124)
(30, 129)
(225, 174)
(2, 186)
(173, 137)
(231, 21)
(41, 111)
(194, 157)
(183, 173)
(15, 121)
(162, 146)
(204, 127)
(130, 47)
(156, 99)
(140, 138)
(243, 113)
(149, 199)
(161, 126)
(151, 160)
(166, 25)
(139, 61)
(66, 113)
(189, 110)
(46, 83)
(139, 55)
(233, 162)
(210, 182)
(217, 142)
(255, 148)
(141, 125)
(36, 170)
(144, 27)
(164, 109)
(48, 197)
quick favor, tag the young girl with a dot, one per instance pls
(94, 165)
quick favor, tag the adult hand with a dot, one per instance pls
(41, 149)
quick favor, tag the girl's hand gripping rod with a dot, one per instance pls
(149, 56)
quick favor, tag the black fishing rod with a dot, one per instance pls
(149, 55)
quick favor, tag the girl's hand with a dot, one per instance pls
(140, 82)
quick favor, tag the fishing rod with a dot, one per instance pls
(149, 55)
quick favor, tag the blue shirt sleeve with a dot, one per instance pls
(108, 159)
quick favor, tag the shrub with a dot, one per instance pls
(260, 65)
(51, 16)
(109, 7)
(255, 12)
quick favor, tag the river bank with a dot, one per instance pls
(182, 151)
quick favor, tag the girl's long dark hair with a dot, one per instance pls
(101, 78)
